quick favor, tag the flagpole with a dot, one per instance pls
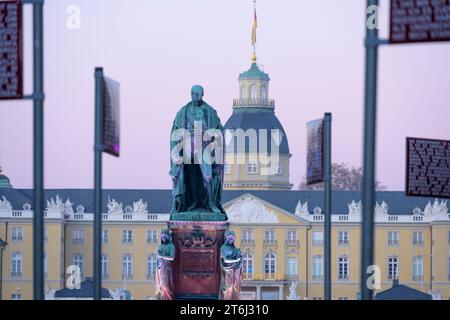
(254, 43)
(255, 25)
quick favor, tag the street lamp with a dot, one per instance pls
(2, 246)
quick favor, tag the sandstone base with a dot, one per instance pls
(197, 258)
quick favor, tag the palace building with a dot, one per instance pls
(280, 231)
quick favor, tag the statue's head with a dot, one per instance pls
(197, 93)
(230, 237)
(165, 236)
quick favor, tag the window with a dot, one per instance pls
(151, 266)
(78, 260)
(17, 234)
(317, 238)
(45, 264)
(292, 268)
(78, 236)
(247, 235)
(392, 268)
(152, 236)
(317, 268)
(448, 268)
(247, 261)
(16, 296)
(127, 267)
(16, 265)
(418, 268)
(127, 236)
(269, 236)
(243, 95)
(277, 168)
(105, 236)
(343, 238)
(228, 168)
(417, 238)
(393, 238)
(269, 266)
(291, 236)
(105, 266)
(252, 167)
(253, 91)
(263, 92)
(343, 268)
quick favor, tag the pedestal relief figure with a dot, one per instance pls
(164, 282)
(231, 265)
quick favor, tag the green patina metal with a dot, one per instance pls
(254, 73)
(197, 185)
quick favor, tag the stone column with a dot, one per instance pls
(258, 292)
(280, 292)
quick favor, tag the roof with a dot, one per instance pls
(254, 73)
(402, 292)
(258, 118)
(86, 291)
(160, 201)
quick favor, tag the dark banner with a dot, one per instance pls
(10, 50)
(314, 161)
(428, 167)
(111, 120)
(419, 21)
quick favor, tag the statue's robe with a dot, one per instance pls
(191, 181)
(231, 277)
(164, 275)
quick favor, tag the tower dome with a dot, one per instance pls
(257, 149)
(4, 181)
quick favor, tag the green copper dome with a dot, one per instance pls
(254, 73)
(4, 182)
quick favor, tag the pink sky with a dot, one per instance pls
(313, 51)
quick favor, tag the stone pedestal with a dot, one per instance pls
(197, 259)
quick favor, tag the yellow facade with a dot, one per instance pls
(288, 237)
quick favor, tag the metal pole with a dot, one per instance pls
(1, 272)
(38, 102)
(368, 183)
(327, 206)
(98, 148)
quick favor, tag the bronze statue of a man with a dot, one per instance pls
(197, 156)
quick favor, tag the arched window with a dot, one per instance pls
(247, 261)
(269, 265)
(264, 92)
(243, 93)
(253, 92)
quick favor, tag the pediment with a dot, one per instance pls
(248, 208)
